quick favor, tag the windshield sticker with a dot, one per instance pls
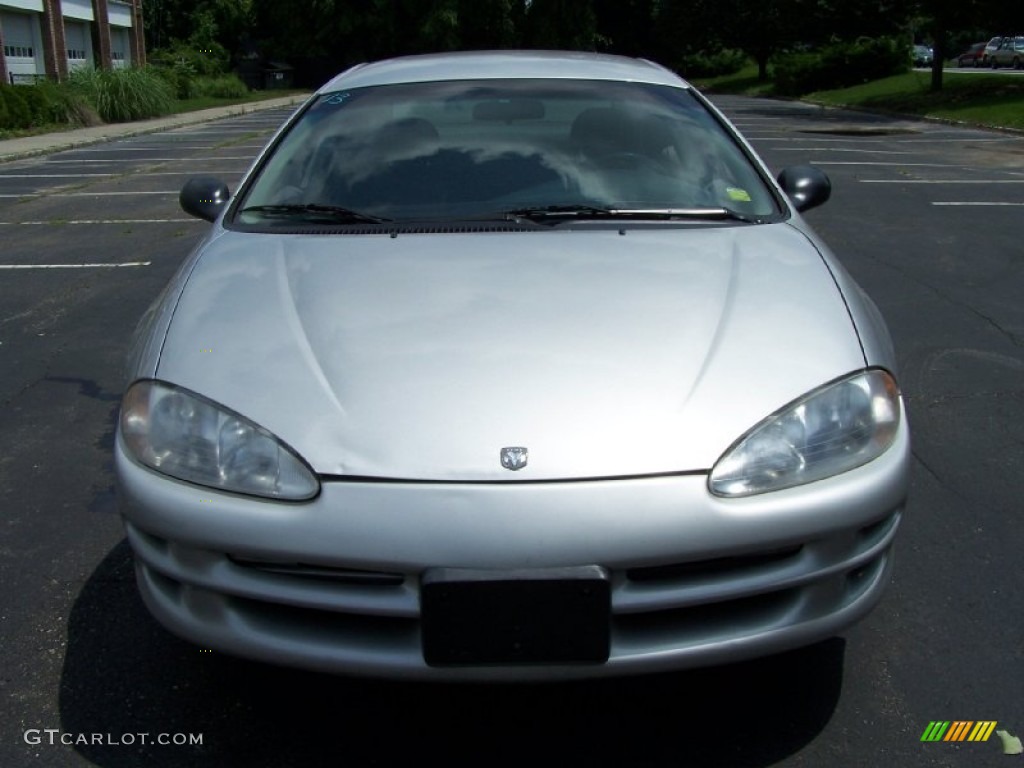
(337, 98)
(738, 195)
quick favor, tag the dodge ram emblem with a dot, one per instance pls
(513, 458)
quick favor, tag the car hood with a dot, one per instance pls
(420, 356)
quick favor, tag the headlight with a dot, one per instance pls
(831, 430)
(185, 436)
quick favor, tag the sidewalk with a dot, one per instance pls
(29, 146)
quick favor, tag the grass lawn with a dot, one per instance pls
(979, 99)
(743, 82)
(966, 96)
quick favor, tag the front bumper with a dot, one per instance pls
(333, 584)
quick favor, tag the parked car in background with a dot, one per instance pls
(1010, 53)
(990, 47)
(923, 56)
(511, 365)
(972, 57)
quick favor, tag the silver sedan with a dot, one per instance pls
(511, 366)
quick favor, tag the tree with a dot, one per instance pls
(625, 26)
(942, 18)
(561, 24)
(486, 24)
(220, 21)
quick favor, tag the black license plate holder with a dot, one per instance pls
(474, 617)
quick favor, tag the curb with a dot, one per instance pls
(47, 143)
(909, 117)
(918, 118)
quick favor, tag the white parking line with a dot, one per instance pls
(208, 171)
(61, 222)
(941, 181)
(962, 140)
(896, 163)
(821, 140)
(132, 175)
(89, 194)
(76, 266)
(119, 148)
(984, 205)
(842, 149)
(216, 130)
(52, 175)
(153, 160)
(115, 194)
(874, 139)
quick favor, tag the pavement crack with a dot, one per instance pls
(1014, 338)
(936, 477)
(929, 400)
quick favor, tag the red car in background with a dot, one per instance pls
(972, 57)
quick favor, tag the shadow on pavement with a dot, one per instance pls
(124, 674)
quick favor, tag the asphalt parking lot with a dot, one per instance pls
(926, 216)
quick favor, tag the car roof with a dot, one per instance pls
(487, 65)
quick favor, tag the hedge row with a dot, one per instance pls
(726, 61)
(840, 65)
(30, 106)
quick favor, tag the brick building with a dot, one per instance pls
(50, 38)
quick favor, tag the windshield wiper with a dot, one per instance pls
(315, 211)
(589, 212)
(535, 212)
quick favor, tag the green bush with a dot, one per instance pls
(182, 62)
(38, 104)
(45, 103)
(18, 113)
(179, 74)
(66, 105)
(220, 87)
(723, 62)
(840, 65)
(121, 95)
(62, 105)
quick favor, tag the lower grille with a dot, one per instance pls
(303, 571)
(334, 618)
(717, 566)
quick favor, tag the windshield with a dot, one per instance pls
(474, 149)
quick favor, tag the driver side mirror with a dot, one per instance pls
(204, 197)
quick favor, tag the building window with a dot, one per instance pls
(75, 54)
(19, 51)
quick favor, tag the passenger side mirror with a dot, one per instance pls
(807, 186)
